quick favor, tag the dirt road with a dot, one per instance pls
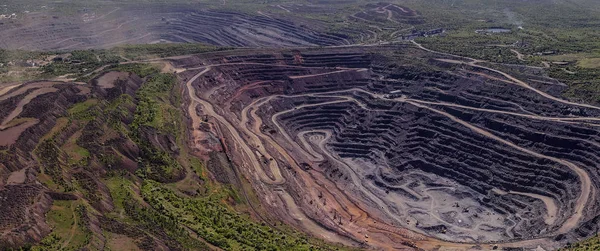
(294, 210)
(209, 110)
(258, 147)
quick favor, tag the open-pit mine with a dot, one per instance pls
(394, 146)
(286, 135)
(355, 146)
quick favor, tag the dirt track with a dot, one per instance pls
(586, 183)
(250, 125)
(246, 146)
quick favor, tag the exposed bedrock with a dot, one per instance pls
(406, 156)
(453, 154)
(242, 30)
(152, 23)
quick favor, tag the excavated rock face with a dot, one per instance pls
(129, 24)
(341, 141)
(108, 24)
(462, 154)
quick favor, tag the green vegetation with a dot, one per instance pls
(68, 220)
(186, 220)
(147, 51)
(14, 65)
(7, 56)
(120, 190)
(562, 38)
(79, 63)
(154, 110)
(129, 205)
(82, 107)
(84, 111)
(169, 196)
(49, 157)
(218, 224)
(50, 242)
(591, 244)
(592, 63)
(154, 107)
(77, 154)
(584, 83)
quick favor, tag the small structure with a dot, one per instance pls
(493, 30)
(7, 16)
(427, 33)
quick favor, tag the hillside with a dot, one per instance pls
(299, 125)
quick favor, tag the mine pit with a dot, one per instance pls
(133, 25)
(300, 125)
(449, 157)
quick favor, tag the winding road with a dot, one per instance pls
(256, 146)
(209, 110)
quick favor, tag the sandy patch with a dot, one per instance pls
(83, 90)
(24, 89)
(167, 67)
(17, 177)
(7, 88)
(108, 80)
(10, 135)
(122, 242)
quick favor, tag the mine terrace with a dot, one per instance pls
(354, 140)
(389, 155)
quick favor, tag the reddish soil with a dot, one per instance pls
(17, 111)
(19, 89)
(9, 136)
(17, 177)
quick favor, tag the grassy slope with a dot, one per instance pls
(592, 244)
